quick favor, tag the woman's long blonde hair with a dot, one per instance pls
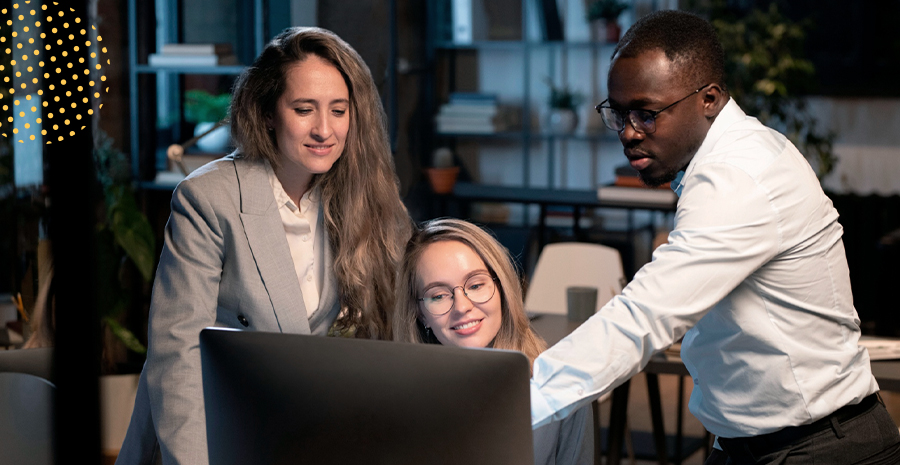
(367, 223)
(515, 330)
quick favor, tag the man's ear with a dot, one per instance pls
(714, 100)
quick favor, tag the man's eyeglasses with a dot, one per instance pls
(478, 288)
(643, 121)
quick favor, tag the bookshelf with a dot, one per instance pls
(513, 63)
(156, 93)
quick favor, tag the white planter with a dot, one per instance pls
(562, 121)
(217, 141)
(117, 394)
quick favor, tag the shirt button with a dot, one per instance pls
(243, 320)
(305, 238)
(581, 392)
(696, 381)
(309, 277)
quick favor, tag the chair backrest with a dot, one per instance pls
(566, 264)
(26, 413)
(37, 362)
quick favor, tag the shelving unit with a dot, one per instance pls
(156, 92)
(543, 157)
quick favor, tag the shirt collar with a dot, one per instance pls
(676, 184)
(729, 115)
(281, 197)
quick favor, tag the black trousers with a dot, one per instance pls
(868, 437)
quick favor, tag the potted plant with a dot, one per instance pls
(207, 110)
(603, 16)
(562, 118)
(442, 175)
(769, 76)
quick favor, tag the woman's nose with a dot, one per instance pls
(461, 302)
(321, 130)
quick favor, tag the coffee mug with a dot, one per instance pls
(581, 302)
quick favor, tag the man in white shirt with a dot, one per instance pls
(754, 275)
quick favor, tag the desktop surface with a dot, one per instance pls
(278, 398)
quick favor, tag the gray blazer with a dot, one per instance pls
(566, 442)
(225, 262)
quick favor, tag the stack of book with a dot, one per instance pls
(629, 188)
(881, 348)
(474, 113)
(626, 176)
(193, 55)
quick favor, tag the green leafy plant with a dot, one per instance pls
(767, 75)
(201, 106)
(562, 97)
(124, 240)
(608, 10)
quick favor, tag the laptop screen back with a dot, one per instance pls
(279, 398)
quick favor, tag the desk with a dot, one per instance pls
(555, 327)
(544, 198)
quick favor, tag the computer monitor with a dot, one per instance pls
(283, 398)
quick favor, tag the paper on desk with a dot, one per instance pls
(881, 348)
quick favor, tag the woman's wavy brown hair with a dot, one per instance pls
(515, 330)
(367, 223)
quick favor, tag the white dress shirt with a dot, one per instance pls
(300, 225)
(755, 278)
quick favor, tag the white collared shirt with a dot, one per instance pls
(755, 278)
(300, 223)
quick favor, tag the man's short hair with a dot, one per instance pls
(688, 40)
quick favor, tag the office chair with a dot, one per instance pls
(26, 400)
(565, 264)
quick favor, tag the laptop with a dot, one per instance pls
(284, 398)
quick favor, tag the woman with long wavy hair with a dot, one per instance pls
(299, 230)
(458, 286)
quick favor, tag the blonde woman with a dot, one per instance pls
(298, 231)
(458, 286)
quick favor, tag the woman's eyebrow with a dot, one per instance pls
(467, 276)
(316, 102)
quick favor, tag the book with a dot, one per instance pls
(197, 49)
(468, 110)
(641, 195)
(477, 119)
(472, 98)
(504, 19)
(466, 119)
(626, 176)
(466, 128)
(461, 14)
(158, 59)
(552, 24)
(626, 170)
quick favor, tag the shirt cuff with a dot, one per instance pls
(541, 412)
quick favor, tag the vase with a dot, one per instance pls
(562, 120)
(217, 141)
(442, 179)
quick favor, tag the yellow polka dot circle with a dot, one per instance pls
(30, 64)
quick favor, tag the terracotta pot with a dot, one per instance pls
(603, 30)
(613, 31)
(442, 179)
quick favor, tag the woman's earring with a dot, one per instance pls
(427, 333)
